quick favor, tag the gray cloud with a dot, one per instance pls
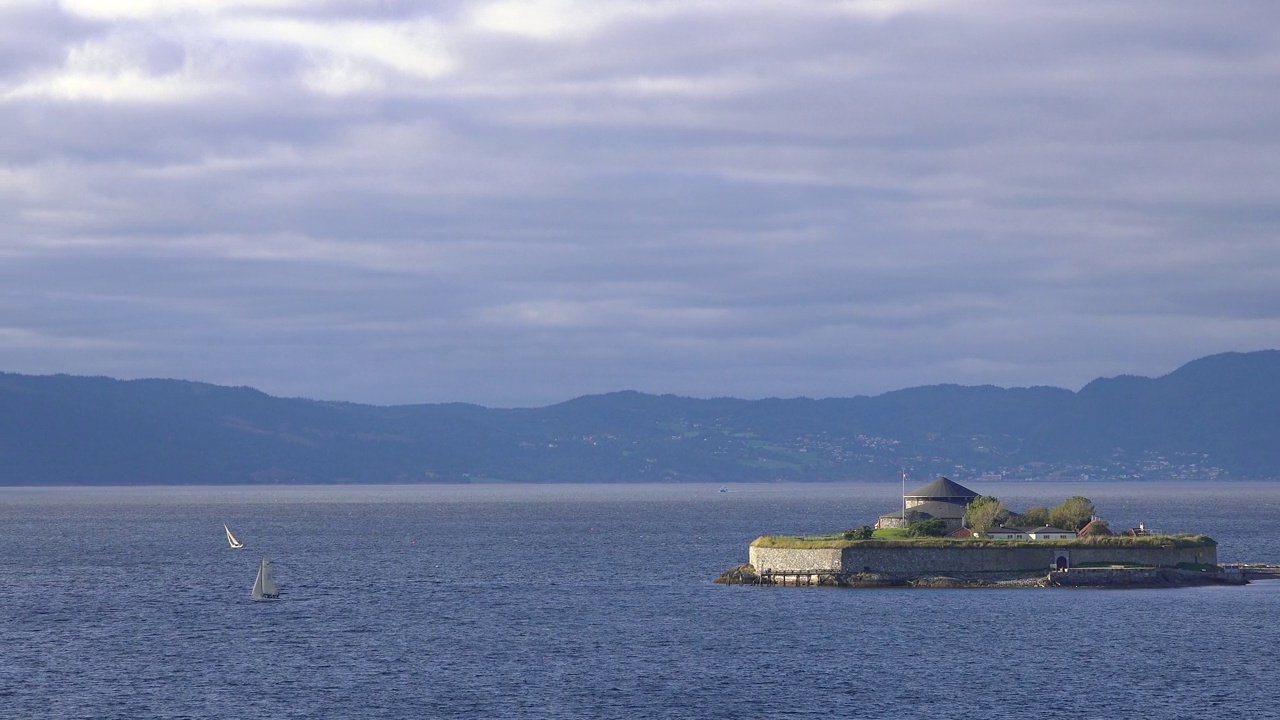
(517, 203)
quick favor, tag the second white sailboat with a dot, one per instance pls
(264, 587)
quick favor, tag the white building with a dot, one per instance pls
(1050, 533)
(1005, 533)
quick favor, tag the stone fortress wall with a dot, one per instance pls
(915, 560)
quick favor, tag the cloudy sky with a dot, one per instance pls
(516, 203)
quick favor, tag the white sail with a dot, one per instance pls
(264, 587)
(231, 539)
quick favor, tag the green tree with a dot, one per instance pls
(1034, 516)
(933, 527)
(862, 532)
(984, 513)
(1072, 514)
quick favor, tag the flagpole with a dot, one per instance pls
(904, 497)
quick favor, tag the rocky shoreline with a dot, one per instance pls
(1107, 577)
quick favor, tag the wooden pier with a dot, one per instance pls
(1256, 572)
(798, 578)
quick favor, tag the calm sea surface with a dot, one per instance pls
(572, 601)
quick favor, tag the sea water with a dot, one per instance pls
(592, 601)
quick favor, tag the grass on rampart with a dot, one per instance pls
(835, 542)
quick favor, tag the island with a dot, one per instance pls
(946, 535)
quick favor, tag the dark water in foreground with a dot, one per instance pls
(592, 602)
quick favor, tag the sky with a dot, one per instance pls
(515, 203)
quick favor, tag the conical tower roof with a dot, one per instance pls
(943, 488)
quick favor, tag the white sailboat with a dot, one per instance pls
(264, 588)
(231, 539)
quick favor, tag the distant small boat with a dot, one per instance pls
(264, 588)
(231, 539)
(724, 489)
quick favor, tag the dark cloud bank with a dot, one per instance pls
(518, 203)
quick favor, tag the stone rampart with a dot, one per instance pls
(796, 560)
(925, 560)
(1103, 577)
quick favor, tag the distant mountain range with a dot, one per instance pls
(1213, 418)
